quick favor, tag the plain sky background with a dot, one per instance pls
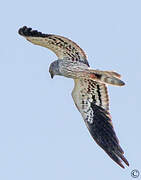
(42, 134)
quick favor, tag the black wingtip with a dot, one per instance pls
(117, 157)
(24, 31)
(123, 158)
(103, 133)
(28, 32)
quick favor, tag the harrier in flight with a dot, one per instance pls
(90, 91)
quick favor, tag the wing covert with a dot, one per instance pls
(61, 46)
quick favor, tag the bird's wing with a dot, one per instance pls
(91, 99)
(61, 46)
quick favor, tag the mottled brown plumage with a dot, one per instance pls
(90, 91)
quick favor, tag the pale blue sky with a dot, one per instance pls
(42, 135)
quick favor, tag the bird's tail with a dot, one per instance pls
(107, 77)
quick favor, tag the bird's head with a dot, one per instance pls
(54, 69)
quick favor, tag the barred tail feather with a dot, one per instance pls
(108, 73)
(106, 77)
(112, 80)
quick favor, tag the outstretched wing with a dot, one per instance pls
(91, 99)
(61, 46)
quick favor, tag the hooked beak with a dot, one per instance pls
(51, 75)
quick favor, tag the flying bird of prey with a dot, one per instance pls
(90, 91)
